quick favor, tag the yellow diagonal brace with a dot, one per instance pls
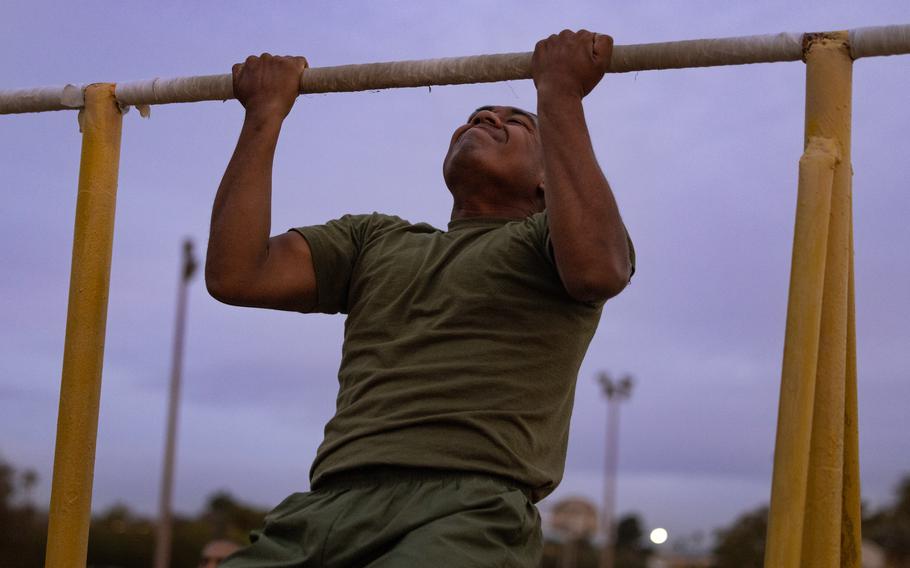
(797, 392)
(80, 389)
(851, 529)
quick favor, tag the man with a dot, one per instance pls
(461, 347)
(215, 551)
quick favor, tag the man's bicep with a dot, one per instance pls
(288, 279)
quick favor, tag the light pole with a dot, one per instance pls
(615, 392)
(163, 537)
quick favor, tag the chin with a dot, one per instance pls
(463, 161)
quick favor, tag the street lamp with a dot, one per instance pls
(615, 392)
(163, 538)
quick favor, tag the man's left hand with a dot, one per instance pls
(571, 63)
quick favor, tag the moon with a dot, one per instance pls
(659, 536)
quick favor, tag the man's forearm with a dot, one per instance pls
(241, 215)
(586, 230)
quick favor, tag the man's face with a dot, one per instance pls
(498, 142)
(215, 552)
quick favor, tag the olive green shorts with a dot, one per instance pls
(393, 518)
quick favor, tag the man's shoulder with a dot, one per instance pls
(533, 228)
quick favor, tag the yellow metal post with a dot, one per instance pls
(814, 451)
(80, 390)
(829, 71)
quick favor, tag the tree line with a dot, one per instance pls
(120, 537)
(742, 544)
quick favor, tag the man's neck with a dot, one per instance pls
(491, 203)
(495, 211)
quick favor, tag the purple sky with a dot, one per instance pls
(703, 164)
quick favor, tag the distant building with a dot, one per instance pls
(570, 531)
(680, 560)
(574, 518)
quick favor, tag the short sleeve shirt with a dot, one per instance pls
(461, 347)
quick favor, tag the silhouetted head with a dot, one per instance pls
(214, 552)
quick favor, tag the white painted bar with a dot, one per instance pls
(865, 42)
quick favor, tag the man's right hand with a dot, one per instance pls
(245, 267)
(268, 85)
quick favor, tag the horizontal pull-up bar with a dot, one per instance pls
(864, 42)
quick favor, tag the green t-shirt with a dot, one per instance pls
(461, 348)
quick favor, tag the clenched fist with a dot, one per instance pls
(268, 85)
(571, 63)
